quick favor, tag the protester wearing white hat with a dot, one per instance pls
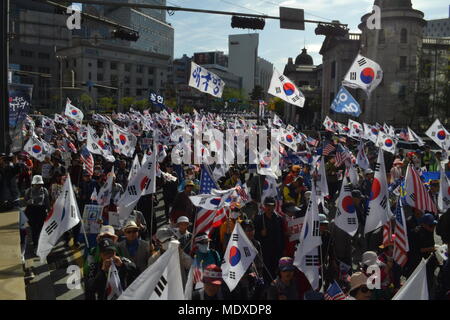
(106, 232)
(163, 237)
(183, 234)
(37, 199)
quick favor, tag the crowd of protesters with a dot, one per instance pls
(139, 243)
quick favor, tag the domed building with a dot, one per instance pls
(411, 62)
(307, 77)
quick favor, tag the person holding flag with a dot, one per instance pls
(269, 232)
(284, 287)
(97, 277)
(37, 199)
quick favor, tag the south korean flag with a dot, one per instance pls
(238, 257)
(439, 134)
(364, 74)
(356, 129)
(282, 87)
(346, 218)
(387, 143)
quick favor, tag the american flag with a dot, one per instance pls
(387, 233)
(401, 244)
(278, 206)
(328, 148)
(334, 292)
(207, 183)
(198, 272)
(404, 134)
(242, 192)
(312, 141)
(88, 160)
(417, 195)
(342, 154)
(206, 219)
(70, 145)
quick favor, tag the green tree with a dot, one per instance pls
(86, 101)
(142, 104)
(276, 104)
(127, 102)
(257, 93)
(106, 104)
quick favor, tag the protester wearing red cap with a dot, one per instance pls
(212, 283)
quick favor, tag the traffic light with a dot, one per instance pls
(247, 23)
(331, 30)
(126, 35)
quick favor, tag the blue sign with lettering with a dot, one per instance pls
(345, 103)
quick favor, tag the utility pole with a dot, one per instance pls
(60, 59)
(4, 95)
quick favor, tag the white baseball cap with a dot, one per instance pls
(183, 219)
(37, 179)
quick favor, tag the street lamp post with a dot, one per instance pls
(60, 59)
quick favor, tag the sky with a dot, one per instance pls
(199, 32)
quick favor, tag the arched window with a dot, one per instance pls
(381, 37)
(404, 36)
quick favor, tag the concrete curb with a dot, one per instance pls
(12, 285)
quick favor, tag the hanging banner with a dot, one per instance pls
(19, 102)
(156, 99)
(206, 81)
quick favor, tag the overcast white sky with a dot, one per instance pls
(197, 32)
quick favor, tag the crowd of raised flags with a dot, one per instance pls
(354, 148)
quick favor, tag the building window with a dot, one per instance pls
(151, 70)
(43, 55)
(402, 63)
(26, 80)
(402, 92)
(139, 68)
(89, 64)
(403, 36)
(99, 64)
(128, 67)
(139, 81)
(26, 68)
(127, 91)
(113, 65)
(126, 80)
(90, 76)
(139, 92)
(333, 70)
(99, 76)
(74, 62)
(44, 70)
(150, 82)
(26, 53)
(11, 51)
(113, 79)
(381, 37)
(426, 68)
